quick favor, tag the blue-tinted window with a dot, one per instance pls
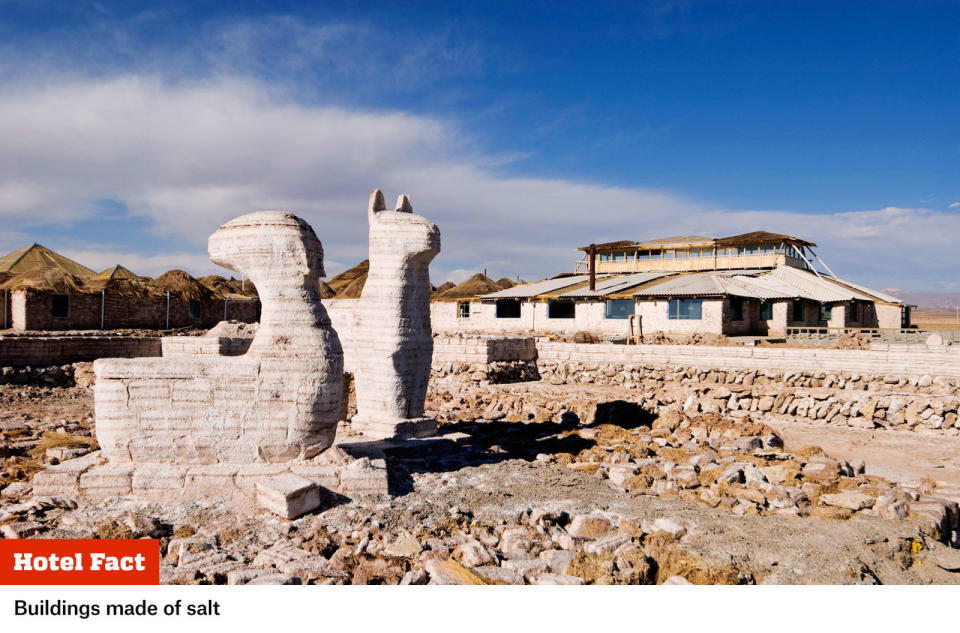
(681, 253)
(685, 309)
(751, 249)
(826, 311)
(643, 254)
(767, 249)
(619, 308)
(766, 310)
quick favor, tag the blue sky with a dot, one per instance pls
(128, 132)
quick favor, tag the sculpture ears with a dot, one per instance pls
(403, 204)
(376, 205)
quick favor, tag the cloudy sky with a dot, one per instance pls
(129, 132)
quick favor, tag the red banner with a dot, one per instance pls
(79, 562)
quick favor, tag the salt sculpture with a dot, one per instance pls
(392, 343)
(278, 402)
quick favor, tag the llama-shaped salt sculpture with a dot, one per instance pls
(392, 343)
(278, 402)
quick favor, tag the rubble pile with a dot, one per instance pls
(495, 373)
(745, 469)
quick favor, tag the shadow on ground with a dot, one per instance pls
(474, 443)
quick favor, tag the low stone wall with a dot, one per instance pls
(205, 345)
(597, 403)
(482, 349)
(20, 351)
(934, 361)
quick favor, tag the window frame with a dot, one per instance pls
(194, 310)
(504, 303)
(766, 310)
(461, 313)
(610, 302)
(561, 303)
(53, 306)
(681, 309)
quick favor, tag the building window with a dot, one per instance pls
(767, 249)
(798, 310)
(193, 310)
(826, 311)
(643, 255)
(751, 249)
(557, 309)
(60, 308)
(668, 254)
(685, 309)
(605, 257)
(463, 310)
(766, 310)
(736, 309)
(619, 308)
(855, 309)
(681, 253)
(508, 309)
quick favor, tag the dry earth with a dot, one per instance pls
(514, 502)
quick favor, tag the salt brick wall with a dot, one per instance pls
(34, 311)
(943, 361)
(19, 351)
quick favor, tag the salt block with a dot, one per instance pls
(288, 495)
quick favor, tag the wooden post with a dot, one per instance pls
(592, 265)
(168, 311)
(103, 299)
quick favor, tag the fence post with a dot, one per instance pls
(168, 310)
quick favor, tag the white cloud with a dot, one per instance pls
(955, 205)
(189, 157)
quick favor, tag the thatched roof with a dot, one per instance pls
(325, 290)
(180, 283)
(505, 283)
(37, 256)
(228, 287)
(447, 285)
(349, 284)
(121, 286)
(476, 286)
(47, 279)
(4, 276)
(117, 272)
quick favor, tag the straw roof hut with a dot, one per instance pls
(505, 283)
(349, 284)
(447, 285)
(120, 281)
(46, 279)
(476, 286)
(37, 256)
(326, 291)
(117, 272)
(180, 283)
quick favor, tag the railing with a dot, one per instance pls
(904, 335)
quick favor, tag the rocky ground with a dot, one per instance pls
(628, 498)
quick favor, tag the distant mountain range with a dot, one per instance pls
(927, 300)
